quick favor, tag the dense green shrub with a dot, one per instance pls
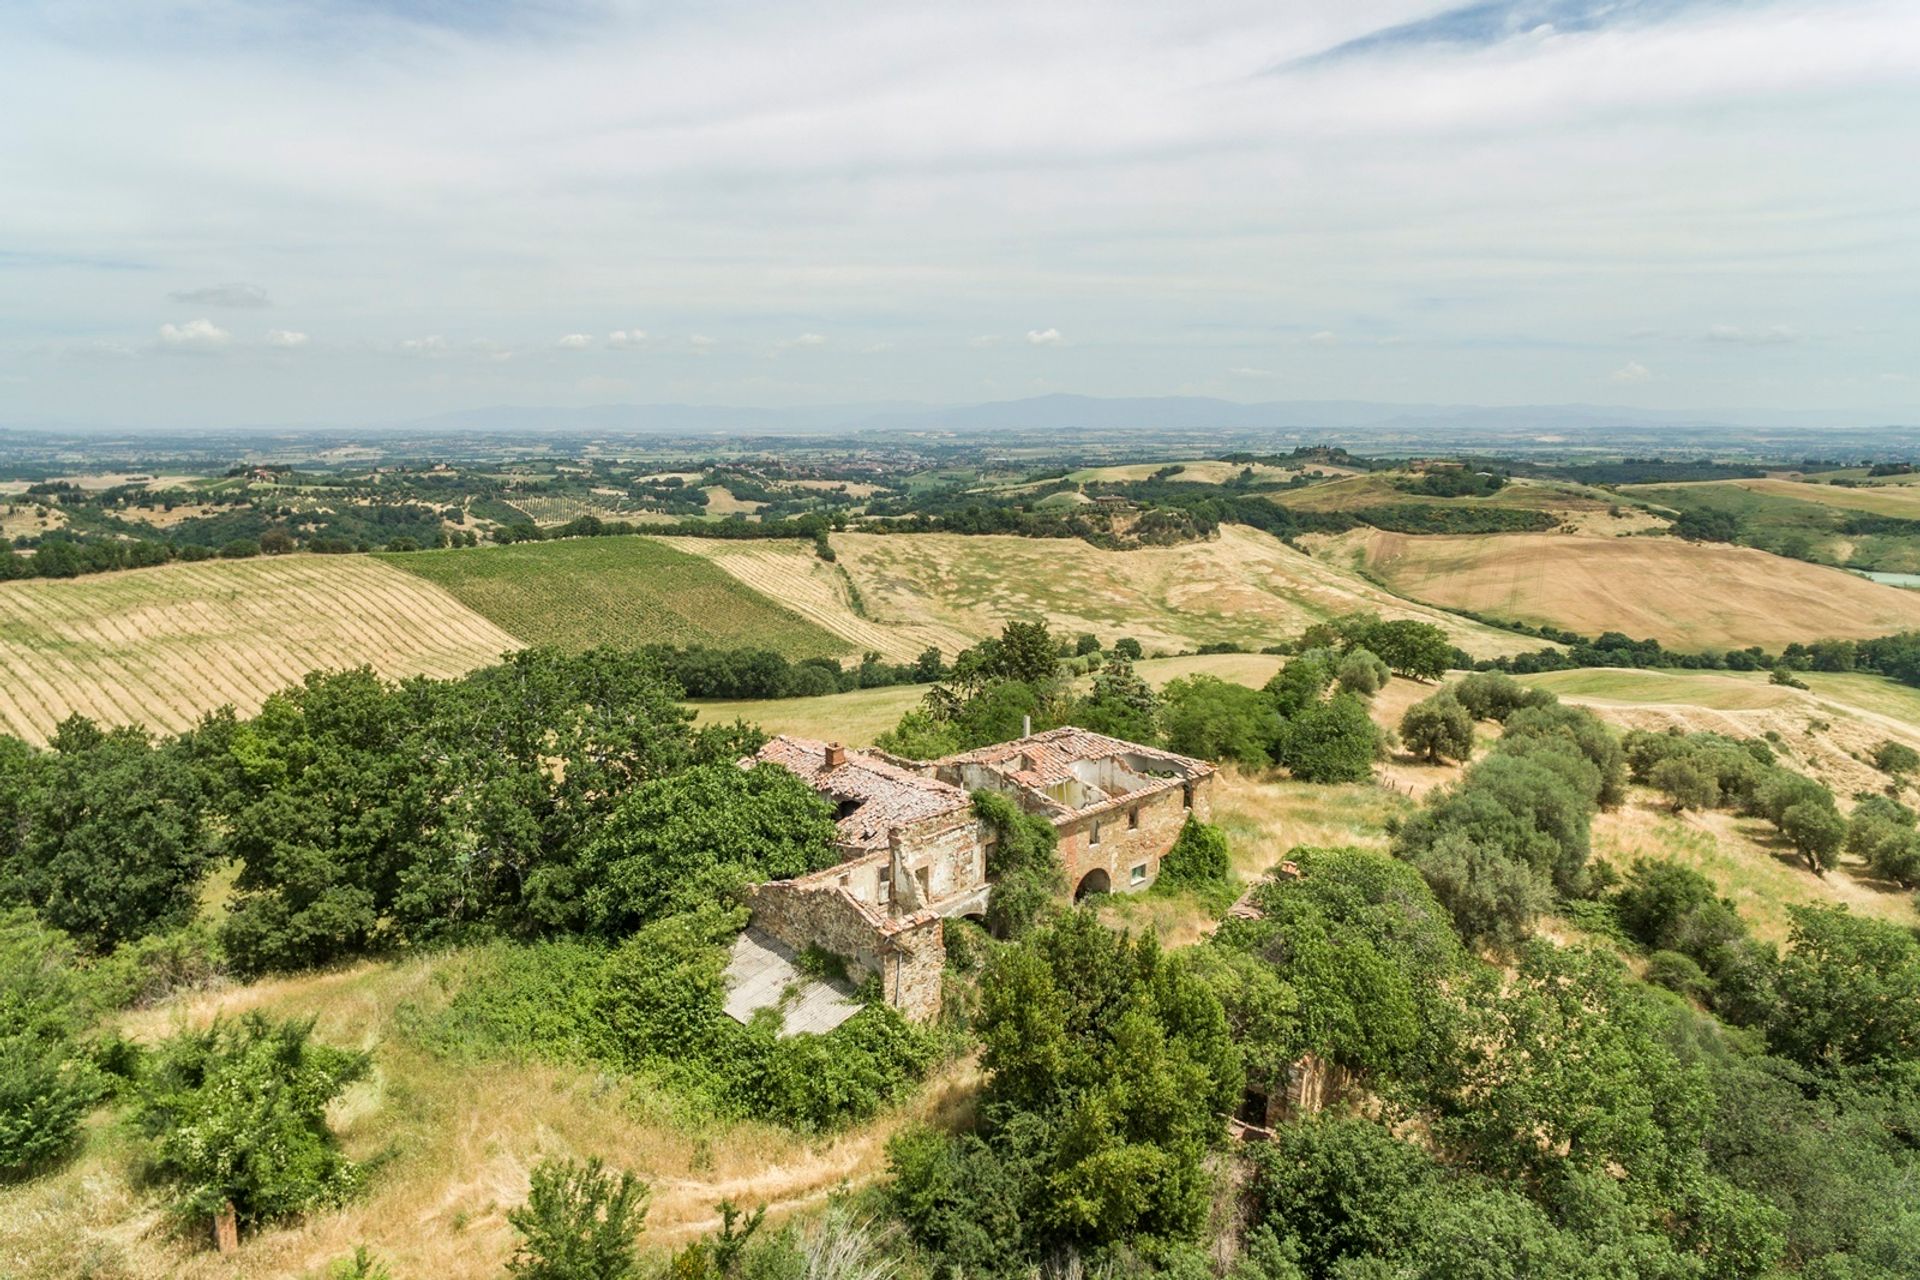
(46, 1085)
(579, 1223)
(106, 832)
(1199, 856)
(1331, 741)
(1686, 782)
(1361, 672)
(1349, 960)
(1108, 1064)
(1214, 719)
(236, 1114)
(676, 843)
(1439, 728)
(1849, 992)
(1022, 863)
(654, 1005)
(1120, 704)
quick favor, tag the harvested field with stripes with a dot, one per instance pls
(162, 646)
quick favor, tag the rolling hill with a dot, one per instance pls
(899, 593)
(162, 646)
(1686, 595)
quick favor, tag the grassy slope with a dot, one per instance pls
(1243, 587)
(462, 1137)
(162, 646)
(1802, 519)
(1686, 595)
(1827, 732)
(624, 591)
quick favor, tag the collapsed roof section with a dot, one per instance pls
(1067, 772)
(872, 796)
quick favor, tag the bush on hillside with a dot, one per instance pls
(580, 1222)
(1439, 728)
(236, 1115)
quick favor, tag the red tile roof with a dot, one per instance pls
(888, 796)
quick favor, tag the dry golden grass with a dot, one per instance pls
(1204, 471)
(1747, 861)
(1243, 587)
(28, 520)
(462, 1139)
(1879, 499)
(1828, 733)
(791, 573)
(162, 646)
(721, 502)
(1686, 595)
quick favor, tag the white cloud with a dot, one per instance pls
(805, 340)
(1323, 338)
(286, 338)
(1771, 336)
(575, 342)
(627, 339)
(194, 335)
(984, 341)
(1241, 371)
(701, 343)
(432, 344)
(1044, 337)
(1632, 371)
(223, 295)
(1512, 206)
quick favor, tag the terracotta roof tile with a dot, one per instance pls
(888, 795)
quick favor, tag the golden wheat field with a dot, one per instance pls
(1685, 595)
(162, 646)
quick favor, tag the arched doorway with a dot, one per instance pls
(1095, 881)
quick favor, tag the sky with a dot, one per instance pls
(239, 212)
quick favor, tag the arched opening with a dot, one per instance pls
(1095, 881)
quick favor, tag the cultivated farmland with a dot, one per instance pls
(622, 591)
(1686, 595)
(162, 646)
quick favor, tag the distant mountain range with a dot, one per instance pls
(1096, 413)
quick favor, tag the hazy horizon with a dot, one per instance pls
(373, 211)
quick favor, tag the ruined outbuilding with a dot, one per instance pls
(914, 853)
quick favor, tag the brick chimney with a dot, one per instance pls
(836, 755)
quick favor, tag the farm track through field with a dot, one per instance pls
(163, 646)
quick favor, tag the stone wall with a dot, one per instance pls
(941, 858)
(1125, 841)
(907, 953)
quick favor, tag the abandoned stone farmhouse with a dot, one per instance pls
(914, 853)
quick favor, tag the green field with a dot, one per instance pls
(624, 591)
(1801, 521)
(1717, 690)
